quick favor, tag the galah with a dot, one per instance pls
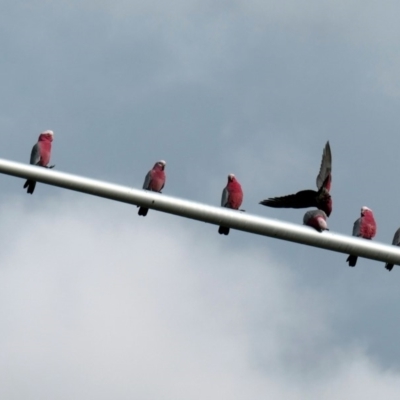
(154, 181)
(232, 197)
(395, 242)
(40, 155)
(316, 219)
(364, 227)
(310, 198)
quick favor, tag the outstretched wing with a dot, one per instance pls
(325, 171)
(302, 199)
(35, 154)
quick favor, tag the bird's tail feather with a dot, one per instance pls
(223, 230)
(352, 260)
(389, 267)
(30, 184)
(143, 211)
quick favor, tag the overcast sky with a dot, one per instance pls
(97, 303)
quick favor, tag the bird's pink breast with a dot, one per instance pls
(313, 222)
(328, 207)
(328, 183)
(235, 197)
(368, 226)
(317, 222)
(157, 180)
(45, 152)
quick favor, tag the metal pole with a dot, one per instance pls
(201, 212)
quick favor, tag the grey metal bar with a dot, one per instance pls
(210, 214)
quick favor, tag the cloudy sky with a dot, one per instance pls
(97, 303)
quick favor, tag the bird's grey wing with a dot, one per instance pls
(224, 197)
(147, 181)
(356, 227)
(307, 216)
(396, 238)
(326, 165)
(35, 154)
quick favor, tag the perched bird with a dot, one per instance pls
(364, 227)
(310, 198)
(232, 197)
(40, 155)
(316, 219)
(154, 181)
(395, 242)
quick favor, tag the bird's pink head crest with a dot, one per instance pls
(160, 164)
(46, 136)
(365, 210)
(231, 177)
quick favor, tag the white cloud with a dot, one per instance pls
(96, 302)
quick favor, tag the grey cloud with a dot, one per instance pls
(254, 88)
(92, 309)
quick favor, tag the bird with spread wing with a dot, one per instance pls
(310, 198)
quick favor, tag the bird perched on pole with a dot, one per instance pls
(40, 155)
(364, 227)
(316, 219)
(154, 181)
(232, 197)
(310, 198)
(395, 242)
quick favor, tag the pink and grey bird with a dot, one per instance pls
(40, 156)
(310, 198)
(154, 181)
(364, 227)
(316, 219)
(232, 197)
(395, 242)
